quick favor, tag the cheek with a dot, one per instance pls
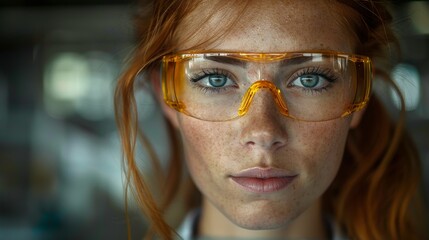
(205, 143)
(322, 147)
(202, 138)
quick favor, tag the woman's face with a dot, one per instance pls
(227, 159)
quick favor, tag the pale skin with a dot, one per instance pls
(264, 138)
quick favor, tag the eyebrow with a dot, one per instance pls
(227, 60)
(296, 60)
(243, 63)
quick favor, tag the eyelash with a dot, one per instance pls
(206, 73)
(325, 73)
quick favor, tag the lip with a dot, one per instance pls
(263, 180)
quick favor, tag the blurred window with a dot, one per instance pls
(407, 79)
(80, 83)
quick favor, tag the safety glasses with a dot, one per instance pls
(306, 86)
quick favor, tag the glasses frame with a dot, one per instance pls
(169, 64)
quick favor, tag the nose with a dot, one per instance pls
(263, 126)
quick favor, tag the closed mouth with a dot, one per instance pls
(263, 180)
(263, 185)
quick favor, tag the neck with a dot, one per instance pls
(309, 225)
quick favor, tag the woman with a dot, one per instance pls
(270, 102)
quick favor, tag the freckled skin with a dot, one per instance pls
(265, 138)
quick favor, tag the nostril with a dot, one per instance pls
(278, 144)
(265, 144)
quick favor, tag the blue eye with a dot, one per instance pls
(309, 81)
(217, 80)
(213, 80)
(313, 79)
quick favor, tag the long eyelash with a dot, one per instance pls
(324, 72)
(206, 72)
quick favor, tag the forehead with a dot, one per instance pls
(265, 26)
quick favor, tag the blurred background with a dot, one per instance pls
(60, 167)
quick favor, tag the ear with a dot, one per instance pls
(356, 118)
(169, 113)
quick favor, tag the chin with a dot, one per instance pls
(262, 225)
(261, 220)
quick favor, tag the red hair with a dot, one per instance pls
(375, 193)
